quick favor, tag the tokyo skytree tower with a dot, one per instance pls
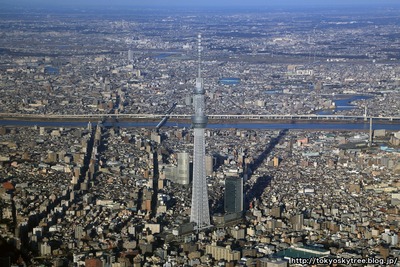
(200, 213)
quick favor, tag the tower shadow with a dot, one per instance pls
(267, 150)
(257, 189)
(263, 181)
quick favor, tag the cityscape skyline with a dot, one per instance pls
(280, 105)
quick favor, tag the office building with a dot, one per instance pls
(183, 170)
(130, 55)
(233, 201)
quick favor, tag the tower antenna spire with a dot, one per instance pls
(199, 53)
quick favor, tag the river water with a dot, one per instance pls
(342, 103)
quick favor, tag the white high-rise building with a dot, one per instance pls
(183, 169)
(130, 55)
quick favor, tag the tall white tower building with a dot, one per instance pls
(200, 213)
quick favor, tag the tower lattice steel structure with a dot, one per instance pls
(200, 213)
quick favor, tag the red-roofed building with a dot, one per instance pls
(8, 186)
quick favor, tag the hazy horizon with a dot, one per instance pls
(205, 3)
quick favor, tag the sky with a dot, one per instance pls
(200, 3)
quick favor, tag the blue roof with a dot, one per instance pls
(229, 81)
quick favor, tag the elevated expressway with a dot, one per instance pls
(185, 117)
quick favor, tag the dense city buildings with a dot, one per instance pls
(100, 190)
(329, 188)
